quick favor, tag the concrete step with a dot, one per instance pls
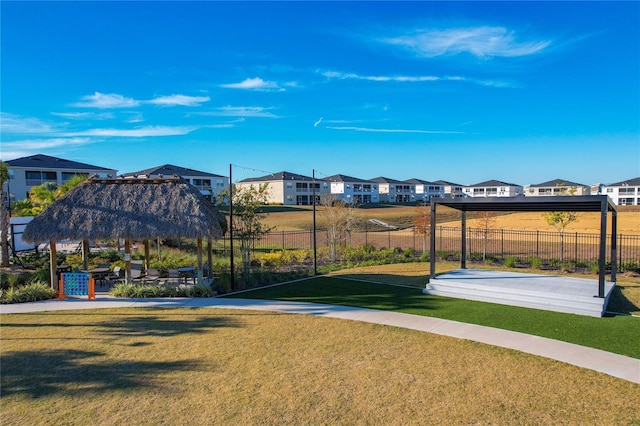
(558, 302)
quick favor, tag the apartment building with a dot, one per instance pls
(425, 190)
(557, 187)
(493, 188)
(34, 170)
(625, 193)
(209, 184)
(289, 188)
(395, 191)
(453, 190)
(353, 190)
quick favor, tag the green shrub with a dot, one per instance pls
(154, 291)
(7, 281)
(510, 262)
(43, 275)
(28, 293)
(536, 262)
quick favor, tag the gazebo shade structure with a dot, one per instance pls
(583, 203)
(127, 208)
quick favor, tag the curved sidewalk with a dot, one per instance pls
(620, 366)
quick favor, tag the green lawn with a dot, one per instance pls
(617, 334)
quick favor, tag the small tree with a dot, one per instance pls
(4, 215)
(487, 227)
(560, 220)
(339, 219)
(41, 196)
(422, 223)
(247, 219)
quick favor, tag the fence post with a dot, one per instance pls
(537, 243)
(282, 240)
(576, 254)
(366, 234)
(389, 239)
(502, 242)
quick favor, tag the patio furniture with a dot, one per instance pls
(174, 276)
(153, 275)
(137, 270)
(116, 275)
(188, 272)
(100, 274)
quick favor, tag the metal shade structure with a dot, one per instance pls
(583, 203)
(127, 208)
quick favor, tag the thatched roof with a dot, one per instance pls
(127, 208)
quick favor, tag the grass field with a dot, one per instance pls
(616, 334)
(301, 218)
(214, 366)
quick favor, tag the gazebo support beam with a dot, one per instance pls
(53, 264)
(127, 260)
(614, 245)
(463, 248)
(147, 255)
(210, 259)
(85, 254)
(432, 242)
(603, 248)
(200, 277)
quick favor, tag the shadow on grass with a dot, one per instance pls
(160, 325)
(120, 324)
(37, 374)
(618, 303)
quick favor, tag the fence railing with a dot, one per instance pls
(494, 243)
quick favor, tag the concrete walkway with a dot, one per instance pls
(620, 366)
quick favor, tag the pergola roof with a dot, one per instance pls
(569, 203)
(582, 203)
(128, 209)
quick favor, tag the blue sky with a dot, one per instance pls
(461, 91)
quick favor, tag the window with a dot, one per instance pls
(202, 183)
(478, 191)
(544, 191)
(492, 191)
(627, 191)
(66, 176)
(625, 201)
(609, 190)
(289, 185)
(38, 177)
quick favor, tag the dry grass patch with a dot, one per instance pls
(301, 218)
(187, 366)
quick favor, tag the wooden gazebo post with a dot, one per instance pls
(53, 265)
(85, 255)
(200, 277)
(127, 260)
(147, 255)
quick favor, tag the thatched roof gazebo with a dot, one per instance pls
(127, 208)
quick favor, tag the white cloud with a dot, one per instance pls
(84, 115)
(141, 132)
(254, 84)
(15, 124)
(412, 79)
(374, 130)
(242, 111)
(179, 100)
(399, 78)
(107, 100)
(39, 144)
(482, 42)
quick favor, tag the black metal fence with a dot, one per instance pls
(548, 247)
